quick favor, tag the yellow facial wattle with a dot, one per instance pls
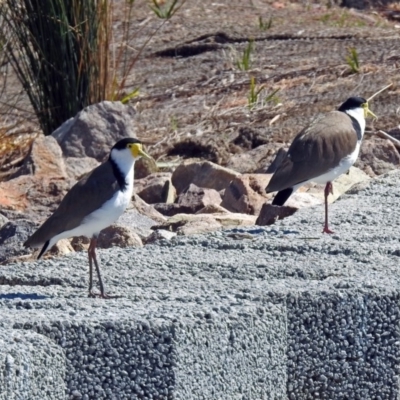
(137, 150)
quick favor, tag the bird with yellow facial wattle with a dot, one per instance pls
(321, 152)
(92, 204)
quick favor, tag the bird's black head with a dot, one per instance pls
(123, 143)
(352, 103)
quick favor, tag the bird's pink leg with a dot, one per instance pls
(328, 190)
(93, 258)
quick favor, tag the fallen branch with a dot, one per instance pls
(385, 135)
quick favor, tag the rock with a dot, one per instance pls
(95, 129)
(213, 209)
(61, 248)
(35, 195)
(169, 210)
(235, 219)
(145, 167)
(191, 201)
(41, 182)
(203, 174)
(185, 224)
(340, 185)
(80, 243)
(77, 167)
(195, 198)
(12, 235)
(246, 194)
(200, 226)
(44, 159)
(312, 194)
(156, 188)
(143, 209)
(160, 234)
(117, 235)
(256, 160)
(303, 199)
(378, 156)
(269, 214)
(3, 220)
(193, 223)
(138, 223)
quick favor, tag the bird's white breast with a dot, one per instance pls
(342, 167)
(108, 213)
(103, 217)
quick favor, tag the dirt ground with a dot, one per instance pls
(193, 97)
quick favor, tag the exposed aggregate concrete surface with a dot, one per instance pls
(279, 312)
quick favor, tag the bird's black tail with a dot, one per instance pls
(281, 197)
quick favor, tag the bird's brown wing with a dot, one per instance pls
(315, 150)
(86, 196)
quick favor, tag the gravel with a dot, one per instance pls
(279, 312)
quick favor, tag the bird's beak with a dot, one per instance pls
(368, 112)
(143, 154)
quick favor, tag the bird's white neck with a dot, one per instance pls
(125, 163)
(358, 114)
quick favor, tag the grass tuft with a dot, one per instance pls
(352, 60)
(164, 11)
(245, 62)
(264, 26)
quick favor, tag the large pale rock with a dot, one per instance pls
(44, 159)
(196, 198)
(213, 209)
(144, 209)
(41, 182)
(3, 220)
(185, 224)
(246, 194)
(203, 174)
(312, 194)
(156, 188)
(191, 201)
(95, 129)
(159, 234)
(378, 156)
(33, 195)
(203, 225)
(61, 248)
(117, 235)
(77, 167)
(340, 185)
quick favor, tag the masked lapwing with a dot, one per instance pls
(92, 204)
(322, 151)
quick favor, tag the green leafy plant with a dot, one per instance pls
(352, 60)
(264, 26)
(244, 63)
(165, 11)
(254, 92)
(272, 97)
